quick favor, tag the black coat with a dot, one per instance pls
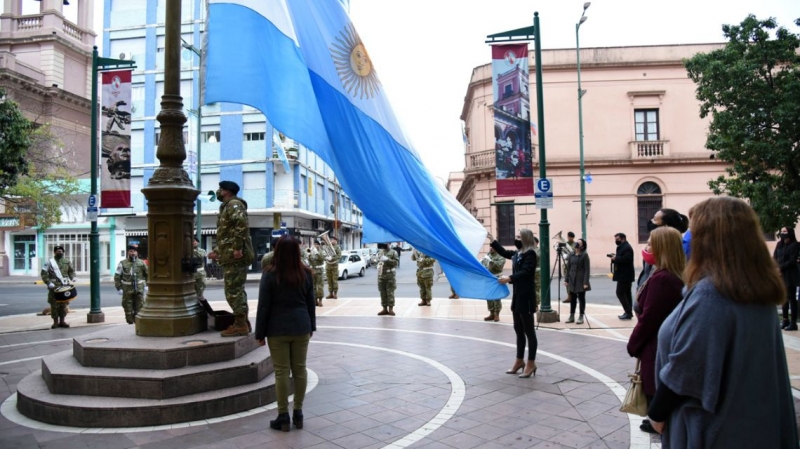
(285, 311)
(786, 257)
(623, 263)
(523, 269)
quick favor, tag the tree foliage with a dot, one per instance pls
(751, 90)
(14, 142)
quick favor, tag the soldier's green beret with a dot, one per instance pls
(230, 186)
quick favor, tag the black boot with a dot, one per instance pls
(785, 323)
(297, 418)
(281, 423)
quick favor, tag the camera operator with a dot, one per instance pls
(624, 274)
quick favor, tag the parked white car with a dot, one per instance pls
(363, 253)
(351, 264)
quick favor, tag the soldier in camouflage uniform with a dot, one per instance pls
(424, 276)
(387, 263)
(130, 280)
(332, 270)
(57, 272)
(494, 263)
(200, 274)
(234, 252)
(317, 262)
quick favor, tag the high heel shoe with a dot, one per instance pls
(281, 423)
(297, 418)
(517, 366)
(525, 375)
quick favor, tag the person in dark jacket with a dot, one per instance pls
(786, 253)
(657, 298)
(624, 275)
(577, 280)
(523, 299)
(287, 319)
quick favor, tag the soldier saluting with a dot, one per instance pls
(424, 276)
(130, 281)
(316, 260)
(332, 270)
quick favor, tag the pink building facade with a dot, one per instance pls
(644, 145)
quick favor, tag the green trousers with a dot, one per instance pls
(289, 353)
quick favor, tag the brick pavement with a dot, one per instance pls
(431, 377)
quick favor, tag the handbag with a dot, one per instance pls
(635, 401)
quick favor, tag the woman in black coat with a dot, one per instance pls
(523, 299)
(786, 253)
(577, 280)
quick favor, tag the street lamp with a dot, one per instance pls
(199, 113)
(580, 117)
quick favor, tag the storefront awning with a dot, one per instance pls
(143, 232)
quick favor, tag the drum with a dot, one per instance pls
(65, 294)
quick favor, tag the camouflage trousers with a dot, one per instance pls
(131, 301)
(319, 290)
(425, 285)
(332, 273)
(494, 305)
(235, 275)
(57, 309)
(387, 288)
(199, 284)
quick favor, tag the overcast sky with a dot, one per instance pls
(424, 50)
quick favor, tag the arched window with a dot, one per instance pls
(649, 200)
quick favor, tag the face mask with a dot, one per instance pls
(618, 242)
(518, 244)
(783, 236)
(59, 256)
(651, 226)
(219, 196)
(648, 257)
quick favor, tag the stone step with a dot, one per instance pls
(64, 375)
(120, 347)
(35, 401)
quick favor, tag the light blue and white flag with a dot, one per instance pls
(304, 66)
(278, 145)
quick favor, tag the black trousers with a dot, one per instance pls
(577, 297)
(791, 300)
(523, 327)
(624, 296)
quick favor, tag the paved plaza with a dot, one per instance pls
(430, 377)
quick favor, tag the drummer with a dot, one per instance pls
(57, 272)
(130, 281)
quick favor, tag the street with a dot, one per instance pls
(29, 298)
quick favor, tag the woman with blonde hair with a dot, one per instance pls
(657, 297)
(722, 378)
(523, 298)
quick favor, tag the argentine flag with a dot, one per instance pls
(303, 64)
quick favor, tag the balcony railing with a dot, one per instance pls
(483, 160)
(649, 149)
(73, 31)
(29, 23)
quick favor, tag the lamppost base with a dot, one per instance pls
(547, 317)
(96, 317)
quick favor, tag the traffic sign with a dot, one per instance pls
(91, 213)
(543, 193)
(92, 201)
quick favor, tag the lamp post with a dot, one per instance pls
(199, 114)
(580, 117)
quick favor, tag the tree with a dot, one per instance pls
(14, 143)
(751, 90)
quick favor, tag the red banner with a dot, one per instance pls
(512, 117)
(115, 139)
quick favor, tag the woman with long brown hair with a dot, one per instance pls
(287, 318)
(657, 297)
(722, 378)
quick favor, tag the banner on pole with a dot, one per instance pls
(115, 139)
(512, 120)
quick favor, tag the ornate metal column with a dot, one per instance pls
(171, 308)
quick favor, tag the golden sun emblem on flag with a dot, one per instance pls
(353, 65)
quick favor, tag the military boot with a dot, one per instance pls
(335, 295)
(391, 311)
(62, 323)
(385, 311)
(55, 323)
(330, 296)
(490, 317)
(238, 328)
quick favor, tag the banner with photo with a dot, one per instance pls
(115, 140)
(512, 117)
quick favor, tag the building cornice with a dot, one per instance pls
(21, 82)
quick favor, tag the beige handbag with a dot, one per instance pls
(635, 401)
